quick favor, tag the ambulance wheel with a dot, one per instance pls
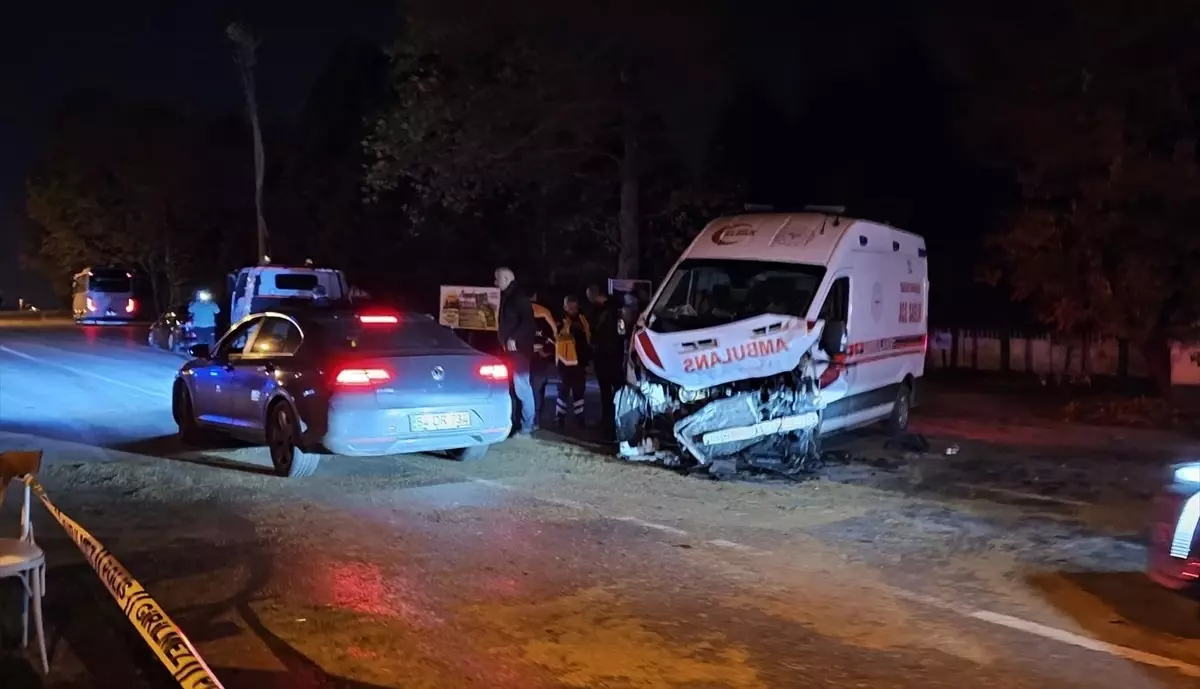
(897, 422)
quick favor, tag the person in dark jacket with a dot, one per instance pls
(515, 329)
(608, 350)
(544, 329)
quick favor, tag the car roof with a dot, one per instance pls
(309, 312)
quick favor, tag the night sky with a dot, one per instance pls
(143, 49)
(810, 120)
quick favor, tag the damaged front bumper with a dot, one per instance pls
(798, 422)
(654, 423)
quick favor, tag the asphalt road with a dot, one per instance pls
(545, 565)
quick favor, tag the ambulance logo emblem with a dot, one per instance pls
(733, 234)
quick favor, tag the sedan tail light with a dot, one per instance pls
(378, 319)
(130, 306)
(361, 377)
(494, 371)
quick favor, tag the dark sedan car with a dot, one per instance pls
(331, 380)
(171, 331)
(1174, 546)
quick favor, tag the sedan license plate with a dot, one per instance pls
(441, 422)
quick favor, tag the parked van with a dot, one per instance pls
(101, 295)
(259, 288)
(780, 324)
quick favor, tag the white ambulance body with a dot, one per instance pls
(756, 298)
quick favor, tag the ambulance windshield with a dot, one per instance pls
(705, 292)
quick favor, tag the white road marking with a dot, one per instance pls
(651, 525)
(489, 482)
(1025, 496)
(565, 503)
(1047, 632)
(722, 543)
(89, 374)
(986, 616)
(553, 501)
(1066, 637)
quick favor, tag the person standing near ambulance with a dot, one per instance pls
(609, 351)
(515, 330)
(204, 311)
(573, 351)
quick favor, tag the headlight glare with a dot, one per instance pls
(1189, 473)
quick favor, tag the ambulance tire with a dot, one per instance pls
(897, 422)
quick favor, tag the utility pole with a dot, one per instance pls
(245, 54)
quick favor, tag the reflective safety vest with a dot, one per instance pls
(543, 334)
(566, 349)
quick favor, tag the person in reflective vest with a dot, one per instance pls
(544, 328)
(573, 350)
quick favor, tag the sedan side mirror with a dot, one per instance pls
(199, 351)
(833, 338)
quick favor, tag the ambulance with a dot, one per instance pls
(778, 328)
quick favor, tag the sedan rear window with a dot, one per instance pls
(413, 334)
(300, 282)
(110, 285)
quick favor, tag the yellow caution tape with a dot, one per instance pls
(160, 633)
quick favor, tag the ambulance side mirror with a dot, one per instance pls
(833, 338)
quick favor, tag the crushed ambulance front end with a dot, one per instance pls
(708, 398)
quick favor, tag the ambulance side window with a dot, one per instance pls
(837, 303)
(836, 314)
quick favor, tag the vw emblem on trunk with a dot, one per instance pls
(438, 373)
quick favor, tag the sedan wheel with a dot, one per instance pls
(469, 454)
(282, 432)
(190, 432)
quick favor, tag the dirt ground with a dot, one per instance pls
(1006, 554)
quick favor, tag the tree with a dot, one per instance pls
(317, 193)
(1095, 114)
(127, 184)
(246, 55)
(547, 100)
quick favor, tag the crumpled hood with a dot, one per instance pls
(756, 347)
